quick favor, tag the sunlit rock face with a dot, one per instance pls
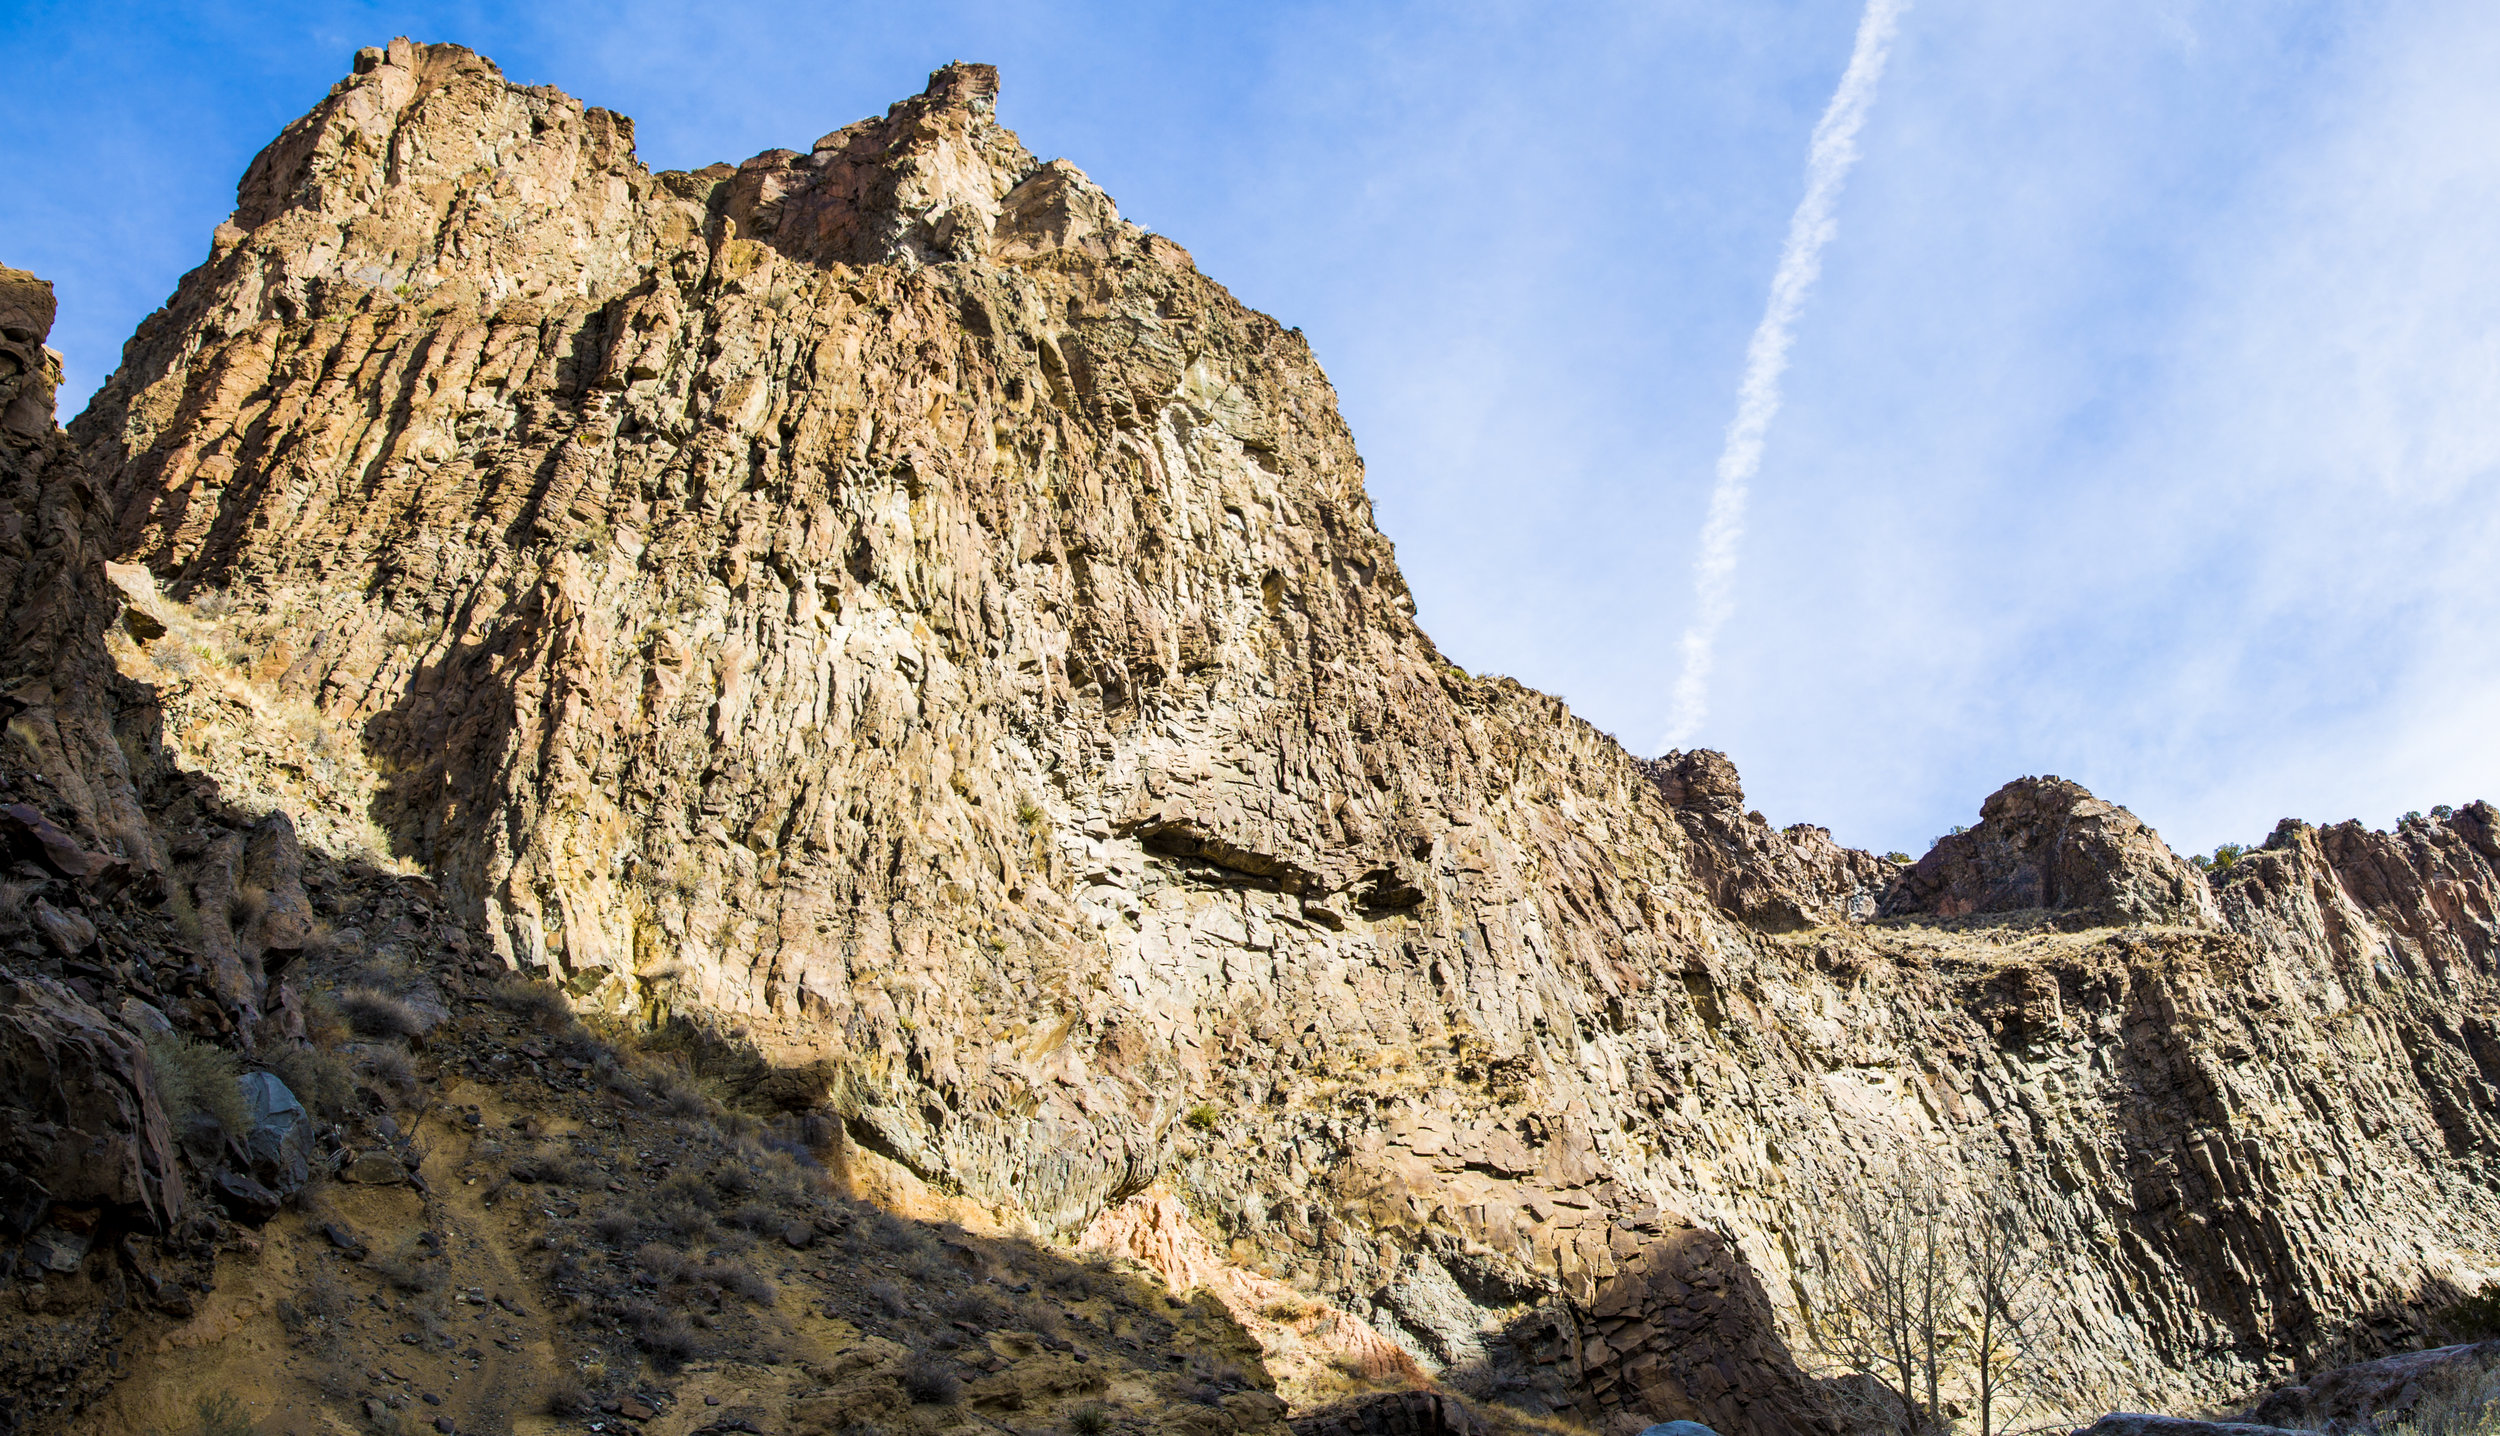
(877, 598)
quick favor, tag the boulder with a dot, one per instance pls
(51, 1249)
(245, 1200)
(374, 1169)
(2351, 1396)
(1393, 1413)
(277, 1137)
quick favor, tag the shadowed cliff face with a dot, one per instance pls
(878, 598)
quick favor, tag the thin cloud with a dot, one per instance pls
(1828, 160)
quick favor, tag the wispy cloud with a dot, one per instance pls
(1828, 160)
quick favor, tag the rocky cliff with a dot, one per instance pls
(879, 605)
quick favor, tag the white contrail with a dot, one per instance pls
(1834, 150)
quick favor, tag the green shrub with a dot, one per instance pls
(1090, 1419)
(1204, 1116)
(197, 1079)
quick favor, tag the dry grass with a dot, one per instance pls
(320, 1080)
(375, 1013)
(194, 1078)
(534, 1002)
(2468, 1408)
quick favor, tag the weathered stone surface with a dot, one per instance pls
(1683, 1331)
(2374, 1395)
(880, 600)
(277, 1135)
(245, 1200)
(1776, 880)
(2044, 844)
(1392, 1413)
(376, 1169)
(79, 1119)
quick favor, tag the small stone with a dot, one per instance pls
(244, 1199)
(374, 1169)
(55, 1250)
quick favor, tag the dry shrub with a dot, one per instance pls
(393, 1074)
(969, 1306)
(745, 1283)
(320, 1080)
(407, 1271)
(375, 1013)
(679, 1218)
(2467, 1406)
(194, 1078)
(565, 1397)
(692, 1190)
(664, 1262)
(535, 1002)
(324, 1025)
(662, 1334)
(317, 1302)
(930, 1381)
(222, 1415)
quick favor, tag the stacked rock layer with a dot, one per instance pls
(877, 599)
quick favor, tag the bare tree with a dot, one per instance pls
(1896, 1286)
(2002, 1271)
(1929, 1288)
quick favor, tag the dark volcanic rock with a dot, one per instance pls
(2046, 844)
(79, 1120)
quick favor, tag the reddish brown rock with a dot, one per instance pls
(2046, 845)
(80, 1124)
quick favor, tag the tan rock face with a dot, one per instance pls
(879, 600)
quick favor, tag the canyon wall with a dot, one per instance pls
(878, 600)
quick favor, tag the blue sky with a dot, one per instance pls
(2144, 426)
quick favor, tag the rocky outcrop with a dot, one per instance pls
(879, 603)
(81, 1128)
(1684, 1332)
(2373, 1395)
(2130, 1423)
(2046, 845)
(1776, 880)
